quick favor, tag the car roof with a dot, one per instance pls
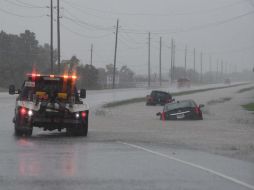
(179, 101)
(158, 91)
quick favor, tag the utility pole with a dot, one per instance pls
(114, 71)
(58, 37)
(201, 67)
(210, 64)
(174, 59)
(171, 66)
(51, 36)
(194, 63)
(149, 59)
(210, 68)
(217, 71)
(91, 58)
(222, 69)
(185, 62)
(160, 59)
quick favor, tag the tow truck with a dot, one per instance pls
(51, 102)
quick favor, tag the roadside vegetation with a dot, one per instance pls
(218, 101)
(142, 99)
(249, 107)
(246, 89)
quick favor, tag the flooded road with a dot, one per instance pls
(130, 148)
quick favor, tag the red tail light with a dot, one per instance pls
(163, 116)
(83, 114)
(23, 111)
(197, 110)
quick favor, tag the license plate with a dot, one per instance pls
(180, 116)
(50, 110)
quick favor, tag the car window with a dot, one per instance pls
(182, 104)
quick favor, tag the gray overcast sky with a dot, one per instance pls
(222, 29)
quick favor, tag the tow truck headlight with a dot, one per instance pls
(30, 113)
(77, 115)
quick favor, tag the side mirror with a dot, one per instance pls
(158, 114)
(201, 105)
(82, 93)
(12, 89)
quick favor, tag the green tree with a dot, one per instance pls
(88, 76)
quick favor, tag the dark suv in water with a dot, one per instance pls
(158, 97)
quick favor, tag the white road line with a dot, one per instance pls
(191, 164)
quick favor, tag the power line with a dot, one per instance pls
(218, 23)
(233, 50)
(76, 7)
(251, 2)
(125, 30)
(83, 35)
(22, 16)
(21, 4)
(117, 13)
(194, 28)
(83, 23)
(29, 5)
(126, 42)
(125, 36)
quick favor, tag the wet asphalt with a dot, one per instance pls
(51, 160)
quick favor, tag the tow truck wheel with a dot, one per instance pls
(27, 133)
(84, 130)
(19, 131)
(77, 130)
(69, 131)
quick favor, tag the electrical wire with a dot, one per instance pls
(83, 35)
(128, 45)
(22, 16)
(194, 28)
(135, 31)
(82, 23)
(116, 13)
(22, 5)
(28, 5)
(74, 6)
(234, 50)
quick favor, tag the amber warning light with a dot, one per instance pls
(34, 75)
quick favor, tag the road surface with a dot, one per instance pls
(122, 152)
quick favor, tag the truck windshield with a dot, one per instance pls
(47, 87)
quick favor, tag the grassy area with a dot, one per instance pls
(246, 89)
(142, 99)
(249, 107)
